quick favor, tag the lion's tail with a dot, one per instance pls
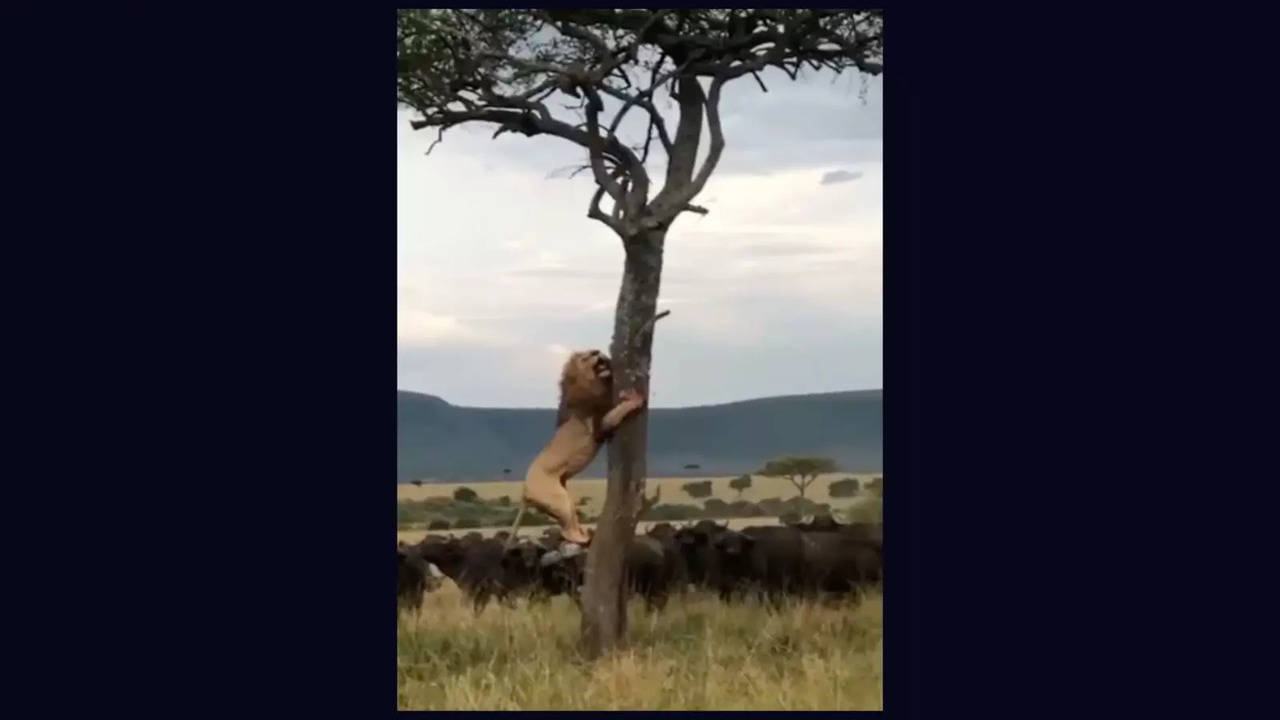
(511, 538)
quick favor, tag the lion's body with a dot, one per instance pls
(571, 449)
(583, 423)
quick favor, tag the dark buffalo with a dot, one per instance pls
(665, 533)
(411, 577)
(476, 566)
(839, 562)
(696, 544)
(870, 532)
(654, 570)
(765, 561)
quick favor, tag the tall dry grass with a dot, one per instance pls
(698, 654)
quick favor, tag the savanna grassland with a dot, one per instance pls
(697, 654)
(594, 489)
(590, 492)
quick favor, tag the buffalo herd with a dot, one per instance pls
(818, 558)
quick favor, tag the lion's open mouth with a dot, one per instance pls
(603, 368)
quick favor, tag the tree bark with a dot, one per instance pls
(604, 601)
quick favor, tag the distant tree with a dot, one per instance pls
(416, 483)
(716, 507)
(438, 524)
(847, 487)
(466, 522)
(582, 501)
(799, 471)
(876, 486)
(465, 494)
(697, 490)
(504, 501)
(789, 518)
(740, 483)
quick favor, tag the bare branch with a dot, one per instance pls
(434, 143)
(646, 503)
(648, 327)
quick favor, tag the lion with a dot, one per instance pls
(583, 422)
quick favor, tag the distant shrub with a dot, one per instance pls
(847, 487)
(584, 500)
(697, 490)
(771, 506)
(438, 524)
(740, 483)
(795, 505)
(437, 503)
(466, 522)
(673, 512)
(465, 494)
(789, 518)
(868, 509)
(742, 508)
(876, 486)
(504, 501)
(716, 508)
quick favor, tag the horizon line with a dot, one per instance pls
(654, 407)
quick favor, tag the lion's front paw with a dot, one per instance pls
(633, 398)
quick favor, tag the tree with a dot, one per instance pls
(799, 471)
(697, 490)
(416, 483)
(465, 494)
(740, 483)
(847, 487)
(502, 67)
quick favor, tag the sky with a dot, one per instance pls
(777, 291)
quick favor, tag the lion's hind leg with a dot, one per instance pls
(546, 492)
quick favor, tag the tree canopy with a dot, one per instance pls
(799, 471)
(504, 67)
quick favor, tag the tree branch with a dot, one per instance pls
(648, 327)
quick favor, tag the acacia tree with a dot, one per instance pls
(799, 471)
(503, 67)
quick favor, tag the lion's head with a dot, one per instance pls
(585, 384)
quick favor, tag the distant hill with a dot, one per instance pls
(442, 442)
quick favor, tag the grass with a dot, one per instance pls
(698, 654)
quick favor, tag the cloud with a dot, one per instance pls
(564, 273)
(838, 176)
(422, 328)
(501, 274)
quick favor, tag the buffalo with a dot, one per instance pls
(475, 565)
(838, 562)
(697, 549)
(869, 532)
(415, 576)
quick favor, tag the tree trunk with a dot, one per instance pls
(604, 602)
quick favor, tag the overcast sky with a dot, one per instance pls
(777, 291)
